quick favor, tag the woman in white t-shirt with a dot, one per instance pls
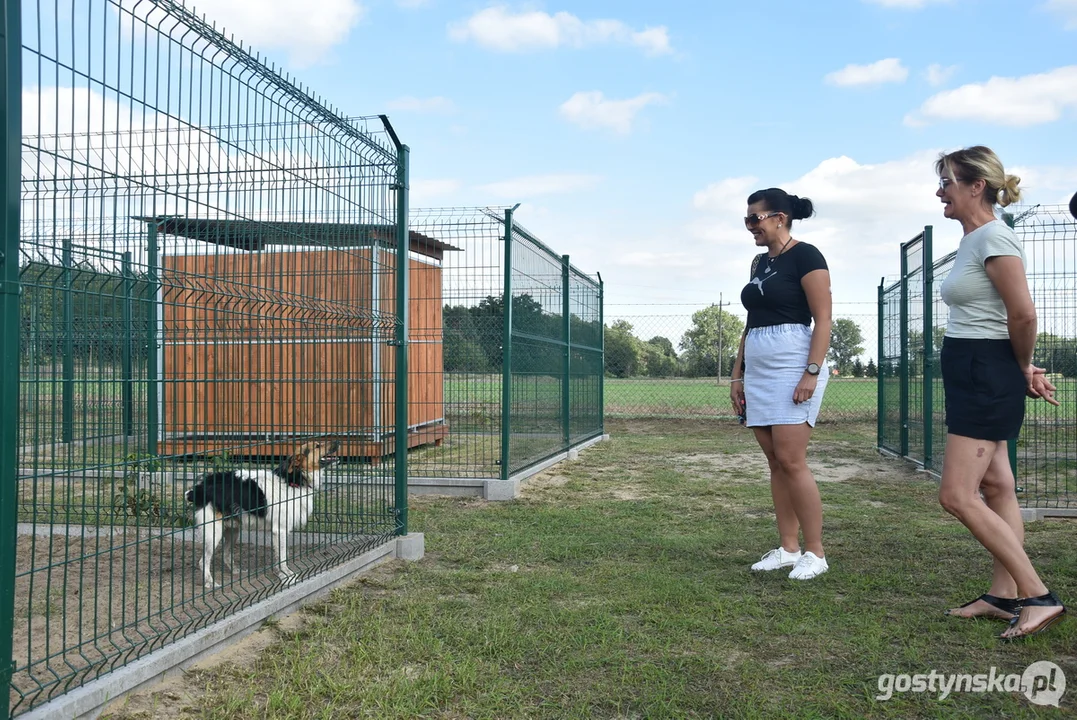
(987, 372)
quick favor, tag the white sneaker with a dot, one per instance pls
(777, 559)
(809, 566)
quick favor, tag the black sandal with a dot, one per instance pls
(1048, 600)
(1007, 605)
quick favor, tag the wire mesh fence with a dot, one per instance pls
(913, 320)
(666, 365)
(520, 383)
(209, 259)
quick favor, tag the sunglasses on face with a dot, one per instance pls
(945, 182)
(755, 218)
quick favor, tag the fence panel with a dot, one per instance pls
(891, 342)
(1044, 456)
(1047, 450)
(540, 372)
(664, 363)
(209, 263)
(913, 347)
(552, 398)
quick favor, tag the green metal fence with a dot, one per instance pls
(510, 386)
(912, 322)
(552, 375)
(214, 271)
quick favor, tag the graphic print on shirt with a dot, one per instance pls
(758, 282)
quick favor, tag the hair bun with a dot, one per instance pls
(802, 207)
(1009, 193)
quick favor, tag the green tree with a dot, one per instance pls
(858, 368)
(659, 358)
(622, 350)
(845, 344)
(870, 370)
(711, 344)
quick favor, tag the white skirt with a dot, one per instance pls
(774, 362)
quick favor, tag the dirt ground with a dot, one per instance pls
(85, 605)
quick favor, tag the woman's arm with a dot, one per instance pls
(1007, 274)
(736, 382)
(816, 286)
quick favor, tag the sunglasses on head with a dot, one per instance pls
(755, 218)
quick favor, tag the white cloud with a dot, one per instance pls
(864, 211)
(905, 4)
(592, 110)
(1065, 9)
(1016, 102)
(533, 185)
(729, 195)
(497, 28)
(438, 104)
(938, 74)
(889, 70)
(306, 31)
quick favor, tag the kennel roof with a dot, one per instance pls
(255, 235)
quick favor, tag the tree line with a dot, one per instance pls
(709, 348)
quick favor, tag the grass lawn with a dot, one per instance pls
(846, 398)
(618, 587)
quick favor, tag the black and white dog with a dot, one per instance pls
(280, 500)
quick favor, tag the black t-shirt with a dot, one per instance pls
(775, 295)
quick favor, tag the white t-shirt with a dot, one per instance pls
(976, 308)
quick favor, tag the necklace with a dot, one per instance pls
(772, 259)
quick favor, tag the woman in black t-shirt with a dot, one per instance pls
(780, 373)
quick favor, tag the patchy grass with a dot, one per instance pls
(618, 587)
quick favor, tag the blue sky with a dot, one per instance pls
(632, 132)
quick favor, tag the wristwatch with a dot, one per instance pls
(812, 369)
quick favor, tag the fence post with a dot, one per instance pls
(903, 363)
(506, 350)
(152, 370)
(566, 384)
(602, 359)
(929, 348)
(880, 379)
(10, 179)
(403, 328)
(126, 371)
(67, 411)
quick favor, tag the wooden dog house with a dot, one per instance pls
(275, 331)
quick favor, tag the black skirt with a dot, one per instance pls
(984, 388)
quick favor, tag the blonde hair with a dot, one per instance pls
(981, 163)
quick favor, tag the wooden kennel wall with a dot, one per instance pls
(272, 343)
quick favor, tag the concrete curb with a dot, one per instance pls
(493, 489)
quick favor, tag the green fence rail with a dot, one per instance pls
(214, 270)
(912, 323)
(509, 386)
